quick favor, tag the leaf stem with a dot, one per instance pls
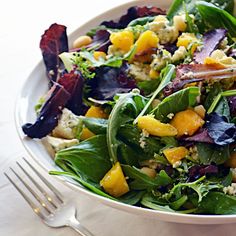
(165, 80)
(218, 97)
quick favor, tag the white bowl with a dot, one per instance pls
(37, 84)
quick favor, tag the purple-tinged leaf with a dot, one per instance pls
(48, 117)
(201, 136)
(232, 105)
(220, 130)
(195, 172)
(73, 82)
(133, 13)
(189, 73)
(211, 41)
(66, 93)
(53, 42)
(109, 81)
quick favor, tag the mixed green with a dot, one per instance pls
(142, 110)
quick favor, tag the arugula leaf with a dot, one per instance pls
(166, 76)
(156, 203)
(218, 203)
(176, 102)
(142, 181)
(96, 125)
(209, 153)
(200, 187)
(89, 159)
(209, 12)
(125, 109)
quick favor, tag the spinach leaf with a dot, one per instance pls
(141, 21)
(126, 108)
(132, 197)
(176, 102)
(131, 136)
(209, 12)
(89, 159)
(127, 155)
(149, 86)
(218, 203)
(177, 7)
(142, 181)
(96, 125)
(88, 184)
(166, 76)
(209, 153)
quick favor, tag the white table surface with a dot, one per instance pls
(21, 25)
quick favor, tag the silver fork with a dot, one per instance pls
(53, 210)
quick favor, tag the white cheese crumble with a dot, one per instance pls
(177, 164)
(230, 190)
(54, 145)
(165, 32)
(67, 125)
(170, 115)
(140, 71)
(179, 54)
(143, 136)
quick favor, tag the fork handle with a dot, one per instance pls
(75, 224)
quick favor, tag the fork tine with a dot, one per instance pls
(48, 184)
(32, 205)
(32, 192)
(49, 199)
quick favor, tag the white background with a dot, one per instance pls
(21, 25)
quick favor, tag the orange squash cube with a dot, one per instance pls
(114, 181)
(187, 122)
(175, 154)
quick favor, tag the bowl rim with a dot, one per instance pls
(146, 212)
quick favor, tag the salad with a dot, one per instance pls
(142, 110)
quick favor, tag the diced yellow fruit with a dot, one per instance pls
(86, 133)
(187, 122)
(99, 54)
(231, 162)
(153, 74)
(175, 154)
(200, 110)
(155, 127)
(96, 112)
(212, 61)
(146, 40)
(122, 40)
(219, 58)
(186, 39)
(114, 181)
